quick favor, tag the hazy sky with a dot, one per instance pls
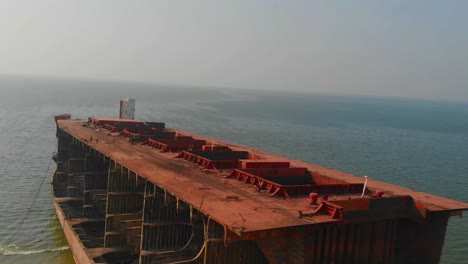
(398, 48)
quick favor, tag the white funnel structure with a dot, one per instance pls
(127, 109)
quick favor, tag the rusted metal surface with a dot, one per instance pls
(221, 203)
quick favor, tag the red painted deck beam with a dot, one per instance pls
(325, 207)
(127, 133)
(111, 128)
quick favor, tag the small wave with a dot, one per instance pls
(14, 250)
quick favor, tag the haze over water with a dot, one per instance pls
(422, 145)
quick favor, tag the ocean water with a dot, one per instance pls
(418, 144)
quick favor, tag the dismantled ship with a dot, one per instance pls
(128, 191)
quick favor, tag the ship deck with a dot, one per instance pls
(234, 203)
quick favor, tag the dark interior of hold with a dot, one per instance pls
(291, 180)
(137, 127)
(91, 233)
(148, 130)
(156, 134)
(222, 155)
(120, 257)
(155, 124)
(181, 140)
(92, 228)
(60, 181)
(282, 176)
(128, 125)
(72, 208)
(153, 134)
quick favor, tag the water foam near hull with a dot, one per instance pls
(15, 250)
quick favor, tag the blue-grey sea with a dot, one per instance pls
(418, 144)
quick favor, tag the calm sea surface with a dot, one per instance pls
(422, 145)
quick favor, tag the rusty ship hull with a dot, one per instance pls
(129, 191)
